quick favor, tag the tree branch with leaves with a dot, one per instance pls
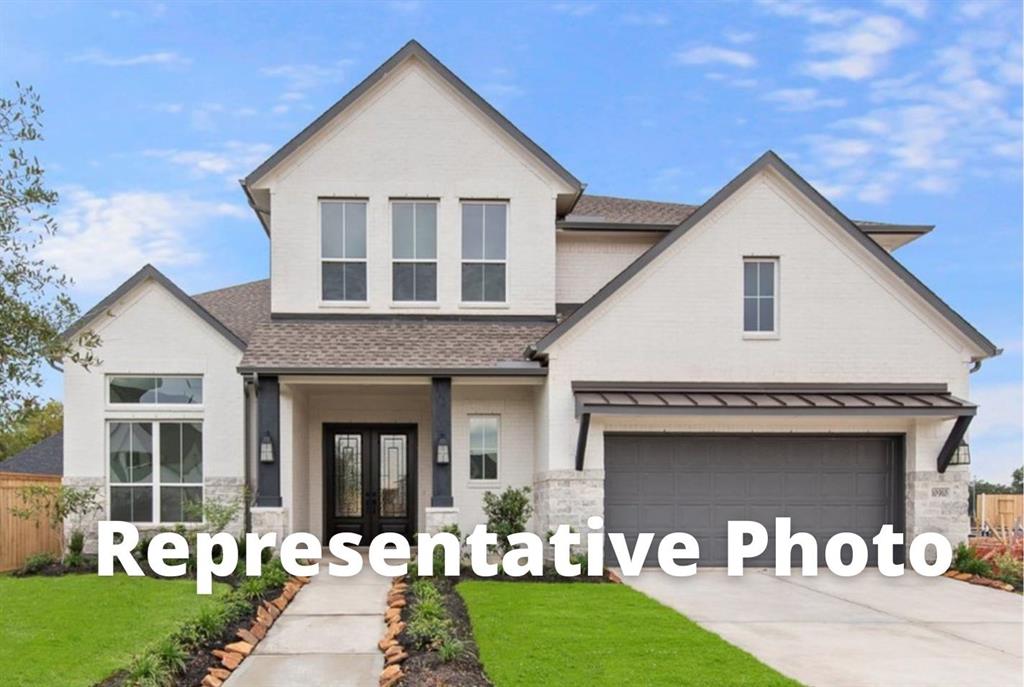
(35, 307)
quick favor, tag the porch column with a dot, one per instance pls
(268, 424)
(441, 422)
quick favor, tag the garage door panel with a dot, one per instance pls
(697, 484)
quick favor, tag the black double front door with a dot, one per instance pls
(369, 479)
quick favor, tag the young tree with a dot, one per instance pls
(34, 305)
(1018, 480)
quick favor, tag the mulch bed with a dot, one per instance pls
(426, 669)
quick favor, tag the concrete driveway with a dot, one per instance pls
(865, 630)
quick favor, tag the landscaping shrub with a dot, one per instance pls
(965, 559)
(1009, 569)
(429, 625)
(35, 563)
(507, 513)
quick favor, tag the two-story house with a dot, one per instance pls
(448, 312)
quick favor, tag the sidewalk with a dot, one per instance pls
(327, 636)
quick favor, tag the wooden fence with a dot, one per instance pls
(21, 538)
(1000, 512)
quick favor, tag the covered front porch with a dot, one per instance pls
(387, 453)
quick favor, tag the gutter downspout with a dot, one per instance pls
(248, 390)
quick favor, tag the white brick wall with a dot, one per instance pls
(412, 136)
(152, 332)
(586, 262)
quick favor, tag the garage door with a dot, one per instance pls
(697, 483)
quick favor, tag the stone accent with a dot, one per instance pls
(87, 523)
(264, 520)
(227, 490)
(567, 497)
(438, 518)
(938, 503)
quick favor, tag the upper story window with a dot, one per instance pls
(760, 295)
(343, 250)
(483, 447)
(168, 390)
(414, 251)
(484, 250)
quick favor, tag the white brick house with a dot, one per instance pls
(448, 313)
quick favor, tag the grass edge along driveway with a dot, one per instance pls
(76, 630)
(599, 635)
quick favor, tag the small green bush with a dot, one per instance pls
(965, 559)
(450, 649)
(171, 655)
(507, 513)
(146, 670)
(36, 562)
(1010, 569)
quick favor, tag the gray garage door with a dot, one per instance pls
(697, 483)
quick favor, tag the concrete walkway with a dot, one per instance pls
(327, 636)
(866, 630)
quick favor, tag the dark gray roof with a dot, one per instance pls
(610, 213)
(718, 398)
(150, 272)
(240, 308)
(44, 458)
(412, 49)
(351, 344)
(772, 160)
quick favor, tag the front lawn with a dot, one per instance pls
(78, 629)
(534, 633)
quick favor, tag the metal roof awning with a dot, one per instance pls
(729, 398)
(618, 398)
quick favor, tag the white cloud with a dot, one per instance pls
(165, 58)
(574, 9)
(710, 54)
(102, 239)
(646, 19)
(860, 50)
(739, 37)
(810, 11)
(231, 161)
(301, 78)
(802, 99)
(918, 9)
(832, 151)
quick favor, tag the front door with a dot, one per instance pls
(369, 479)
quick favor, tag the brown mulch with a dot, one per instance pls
(426, 669)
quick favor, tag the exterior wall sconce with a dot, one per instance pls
(962, 455)
(266, 448)
(444, 456)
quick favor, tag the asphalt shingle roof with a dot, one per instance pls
(240, 308)
(392, 344)
(629, 210)
(44, 458)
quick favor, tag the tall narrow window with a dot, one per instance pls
(483, 447)
(414, 251)
(343, 250)
(760, 300)
(484, 252)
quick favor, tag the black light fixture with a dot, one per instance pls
(962, 455)
(266, 448)
(443, 453)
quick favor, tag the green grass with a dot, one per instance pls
(533, 633)
(78, 629)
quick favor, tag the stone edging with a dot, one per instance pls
(393, 652)
(233, 653)
(979, 580)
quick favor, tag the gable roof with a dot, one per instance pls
(149, 272)
(773, 161)
(410, 49)
(610, 213)
(43, 458)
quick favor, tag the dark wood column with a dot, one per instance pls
(268, 424)
(441, 422)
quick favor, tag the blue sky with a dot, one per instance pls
(903, 111)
